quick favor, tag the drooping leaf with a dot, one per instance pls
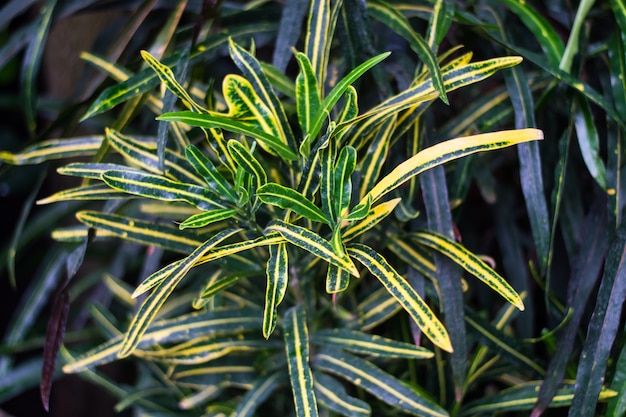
(404, 294)
(471, 263)
(296, 337)
(52, 149)
(332, 394)
(377, 382)
(259, 392)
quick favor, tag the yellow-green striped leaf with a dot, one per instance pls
(296, 337)
(377, 382)
(246, 160)
(258, 393)
(214, 120)
(368, 344)
(337, 279)
(205, 349)
(207, 217)
(523, 397)
(184, 327)
(277, 272)
(471, 263)
(150, 307)
(449, 150)
(227, 250)
(328, 154)
(89, 170)
(332, 394)
(313, 243)
(161, 188)
(359, 212)
(390, 16)
(145, 156)
(138, 230)
(89, 192)
(308, 102)
(413, 255)
(54, 149)
(404, 294)
(344, 167)
(288, 198)
(375, 309)
(373, 217)
(166, 75)
(376, 155)
(253, 72)
(205, 168)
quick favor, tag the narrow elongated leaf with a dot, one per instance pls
(145, 156)
(404, 294)
(589, 142)
(32, 61)
(52, 149)
(277, 272)
(89, 192)
(522, 397)
(415, 256)
(313, 243)
(150, 307)
(318, 35)
(377, 382)
(345, 166)
(376, 156)
(337, 92)
(288, 198)
(227, 250)
(387, 14)
(603, 327)
(204, 167)
(501, 343)
(166, 75)
(246, 160)
(375, 309)
(258, 393)
(289, 31)
(253, 72)
(146, 232)
(184, 327)
(328, 155)
(213, 120)
(89, 170)
(332, 394)
(161, 188)
(207, 217)
(54, 339)
(296, 336)
(447, 151)
(471, 263)
(307, 94)
(368, 344)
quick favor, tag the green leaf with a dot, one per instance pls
(376, 156)
(277, 272)
(377, 382)
(145, 156)
(522, 397)
(589, 141)
(404, 294)
(207, 217)
(161, 188)
(296, 336)
(414, 255)
(308, 102)
(332, 395)
(246, 160)
(213, 120)
(253, 72)
(89, 192)
(288, 198)
(375, 309)
(367, 344)
(185, 327)
(150, 307)
(345, 166)
(328, 155)
(204, 167)
(388, 15)
(260, 391)
(447, 151)
(337, 279)
(313, 243)
(52, 149)
(142, 231)
(471, 263)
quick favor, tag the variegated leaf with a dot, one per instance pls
(288, 198)
(368, 344)
(277, 272)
